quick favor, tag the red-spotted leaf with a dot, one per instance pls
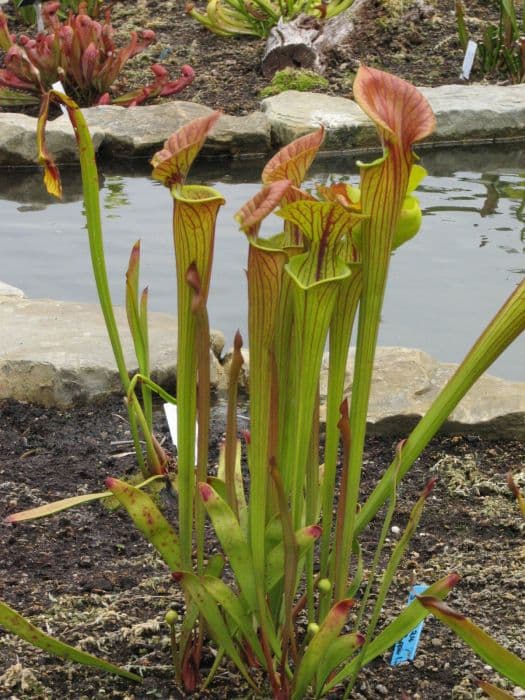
(339, 651)
(64, 504)
(485, 646)
(232, 604)
(149, 520)
(293, 161)
(305, 538)
(198, 593)
(15, 623)
(172, 163)
(232, 539)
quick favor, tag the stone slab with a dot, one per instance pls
(57, 353)
(464, 113)
(18, 139)
(405, 383)
(120, 132)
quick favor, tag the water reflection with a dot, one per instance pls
(471, 246)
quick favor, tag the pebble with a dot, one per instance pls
(381, 689)
(437, 642)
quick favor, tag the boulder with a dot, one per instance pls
(57, 353)
(18, 139)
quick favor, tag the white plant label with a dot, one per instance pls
(60, 88)
(170, 411)
(468, 60)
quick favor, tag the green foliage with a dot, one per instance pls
(327, 266)
(257, 17)
(81, 53)
(293, 79)
(501, 47)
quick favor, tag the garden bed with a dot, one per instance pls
(414, 39)
(87, 576)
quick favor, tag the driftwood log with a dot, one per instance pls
(306, 41)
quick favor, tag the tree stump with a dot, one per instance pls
(307, 41)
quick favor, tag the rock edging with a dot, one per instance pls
(68, 360)
(464, 114)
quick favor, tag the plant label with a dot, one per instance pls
(170, 411)
(405, 649)
(468, 60)
(60, 88)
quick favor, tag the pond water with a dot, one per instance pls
(443, 287)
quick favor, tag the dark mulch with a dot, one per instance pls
(88, 577)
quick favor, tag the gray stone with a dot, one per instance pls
(136, 131)
(463, 113)
(472, 112)
(58, 353)
(240, 136)
(130, 132)
(292, 114)
(406, 382)
(217, 342)
(18, 139)
(139, 131)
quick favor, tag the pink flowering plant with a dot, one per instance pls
(81, 53)
(296, 602)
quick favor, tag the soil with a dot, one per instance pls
(87, 576)
(414, 39)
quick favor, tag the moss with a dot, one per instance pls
(292, 79)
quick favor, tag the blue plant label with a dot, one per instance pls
(405, 649)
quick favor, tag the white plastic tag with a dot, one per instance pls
(468, 60)
(60, 88)
(170, 411)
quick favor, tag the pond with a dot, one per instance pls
(444, 285)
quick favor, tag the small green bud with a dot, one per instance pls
(324, 585)
(171, 617)
(313, 628)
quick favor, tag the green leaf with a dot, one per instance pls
(339, 651)
(233, 541)
(409, 618)
(227, 599)
(319, 645)
(15, 623)
(216, 623)
(149, 520)
(485, 646)
(305, 538)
